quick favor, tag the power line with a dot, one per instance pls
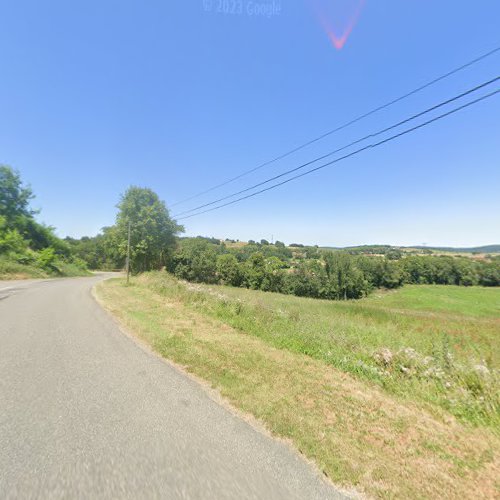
(341, 127)
(412, 129)
(389, 139)
(387, 129)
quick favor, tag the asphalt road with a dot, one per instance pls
(87, 413)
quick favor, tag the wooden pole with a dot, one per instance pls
(128, 254)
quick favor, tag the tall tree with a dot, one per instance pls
(14, 197)
(152, 229)
(346, 280)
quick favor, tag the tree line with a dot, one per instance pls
(27, 246)
(156, 244)
(298, 270)
(153, 235)
(327, 274)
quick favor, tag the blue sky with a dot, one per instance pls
(96, 96)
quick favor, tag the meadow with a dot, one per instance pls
(395, 395)
(437, 344)
(474, 301)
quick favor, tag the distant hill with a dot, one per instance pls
(369, 249)
(378, 249)
(483, 249)
(384, 248)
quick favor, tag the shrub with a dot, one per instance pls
(228, 270)
(46, 260)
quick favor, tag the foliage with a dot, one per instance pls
(346, 279)
(30, 248)
(308, 279)
(14, 197)
(313, 272)
(490, 274)
(433, 344)
(11, 241)
(152, 230)
(11, 268)
(195, 260)
(90, 250)
(446, 270)
(152, 237)
(46, 259)
(228, 270)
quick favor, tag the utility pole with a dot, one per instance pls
(128, 255)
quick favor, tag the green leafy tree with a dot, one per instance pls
(255, 270)
(308, 279)
(394, 254)
(274, 275)
(152, 230)
(380, 272)
(99, 252)
(392, 276)
(195, 260)
(347, 280)
(47, 259)
(18, 217)
(228, 270)
(466, 272)
(490, 273)
(14, 197)
(11, 241)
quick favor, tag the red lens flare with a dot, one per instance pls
(338, 18)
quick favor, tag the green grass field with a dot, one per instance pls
(419, 317)
(465, 301)
(442, 341)
(396, 397)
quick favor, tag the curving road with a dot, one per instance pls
(86, 413)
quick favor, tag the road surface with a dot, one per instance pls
(87, 413)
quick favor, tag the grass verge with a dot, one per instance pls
(12, 270)
(359, 434)
(444, 359)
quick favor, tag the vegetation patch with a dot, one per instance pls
(479, 302)
(447, 361)
(319, 273)
(29, 249)
(269, 357)
(10, 269)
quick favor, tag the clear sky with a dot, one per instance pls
(176, 96)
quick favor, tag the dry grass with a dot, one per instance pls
(357, 434)
(10, 270)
